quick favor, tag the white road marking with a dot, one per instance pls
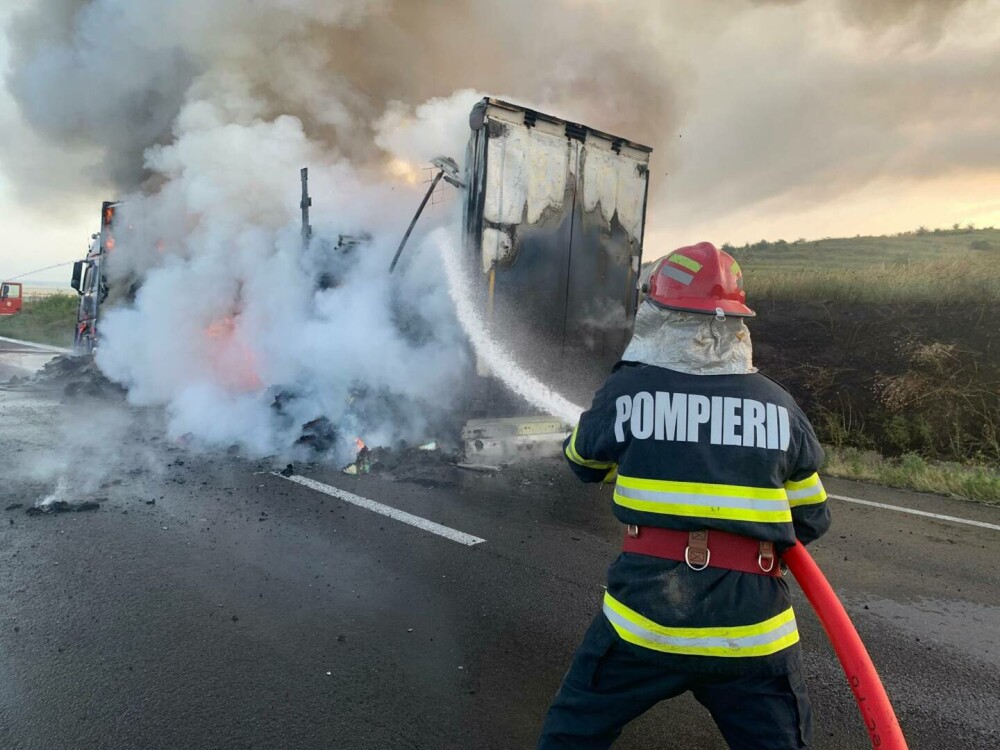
(386, 510)
(938, 516)
(33, 345)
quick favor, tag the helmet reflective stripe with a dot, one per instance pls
(759, 639)
(677, 275)
(736, 271)
(682, 260)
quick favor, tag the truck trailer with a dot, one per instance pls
(554, 219)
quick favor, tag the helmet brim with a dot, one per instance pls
(703, 307)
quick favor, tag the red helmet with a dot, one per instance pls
(701, 279)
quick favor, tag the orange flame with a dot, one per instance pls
(404, 170)
(231, 357)
(224, 327)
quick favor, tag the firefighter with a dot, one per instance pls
(715, 471)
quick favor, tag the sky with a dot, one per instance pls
(769, 119)
(37, 234)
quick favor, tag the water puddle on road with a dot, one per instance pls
(941, 619)
(21, 363)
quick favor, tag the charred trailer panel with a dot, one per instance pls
(554, 217)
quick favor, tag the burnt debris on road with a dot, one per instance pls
(72, 375)
(62, 506)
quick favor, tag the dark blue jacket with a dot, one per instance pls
(692, 452)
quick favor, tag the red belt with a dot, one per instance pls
(701, 549)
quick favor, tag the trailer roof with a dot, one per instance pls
(570, 126)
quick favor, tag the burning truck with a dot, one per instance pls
(553, 219)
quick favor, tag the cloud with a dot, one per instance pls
(742, 100)
(115, 75)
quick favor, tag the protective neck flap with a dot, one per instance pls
(691, 343)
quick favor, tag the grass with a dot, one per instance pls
(971, 280)
(937, 266)
(49, 320)
(959, 266)
(855, 252)
(911, 472)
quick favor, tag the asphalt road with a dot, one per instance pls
(19, 360)
(242, 610)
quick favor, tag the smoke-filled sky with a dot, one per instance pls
(770, 119)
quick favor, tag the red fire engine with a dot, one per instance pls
(11, 298)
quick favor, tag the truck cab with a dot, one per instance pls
(90, 281)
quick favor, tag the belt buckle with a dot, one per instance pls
(632, 530)
(760, 563)
(699, 541)
(687, 559)
(766, 553)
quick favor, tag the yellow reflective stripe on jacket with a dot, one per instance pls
(808, 491)
(576, 458)
(727, 502)
(759, 639)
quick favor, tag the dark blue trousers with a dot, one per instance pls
(608, 685)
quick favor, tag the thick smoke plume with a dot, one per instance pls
(245, 335)
(122, 76)
(199, 114)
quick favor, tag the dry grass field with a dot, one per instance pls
(891, 345)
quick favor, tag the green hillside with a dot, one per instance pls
(49, 320)
(845, 252)
(953, 264)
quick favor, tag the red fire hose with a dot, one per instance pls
(876, 711)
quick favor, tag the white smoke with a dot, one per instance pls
(229, 315)
(202, 115)
(208, 112)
